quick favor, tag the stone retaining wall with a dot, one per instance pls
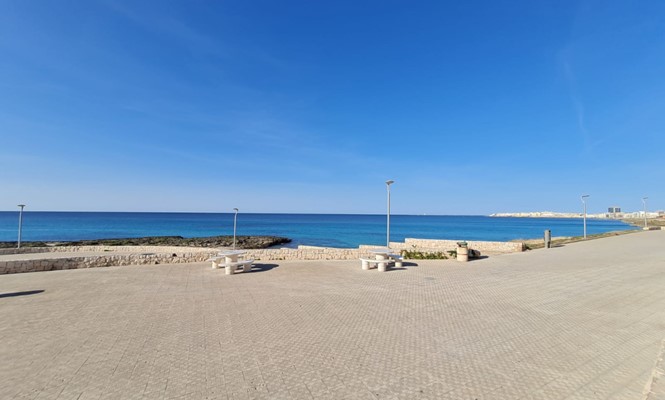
(24, 250)
(434, 245)
(96, 261)
(305, 253)
(142, 255)
(116, 249)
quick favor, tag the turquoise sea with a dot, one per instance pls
(335, 230)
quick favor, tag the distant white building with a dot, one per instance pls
(614, 212)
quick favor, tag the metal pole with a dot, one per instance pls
(388, 183)
(20, 224)
(235, 220)
(585, 219)
(644, 201)
(584, 203)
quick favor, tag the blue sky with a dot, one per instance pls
(471, 107)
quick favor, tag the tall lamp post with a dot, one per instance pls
(388, 183)
(584, 203)
(20, 224)
(235, 220)
(644, 202)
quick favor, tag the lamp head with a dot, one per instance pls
(21, 205)
(235, 209)
(389, 182)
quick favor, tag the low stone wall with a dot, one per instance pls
(24, 250)
(435, 245)
(115, 249)
(424, 245)
(142, 255)
(96, 261)
(305, 253)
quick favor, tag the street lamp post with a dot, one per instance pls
(388, 183)
(584, 203)
(235, 220)
(644, 202)
(20, 224)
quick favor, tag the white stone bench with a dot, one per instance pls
(231, 268)
(219, 261)
(397, 258)
(382, 265)
(216, 261)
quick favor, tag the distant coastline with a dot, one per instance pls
(545, 214)
(552, 214)
(655, 219)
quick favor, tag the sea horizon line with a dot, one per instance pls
(256, 213)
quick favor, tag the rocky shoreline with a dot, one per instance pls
(242, 242)
(639, 222)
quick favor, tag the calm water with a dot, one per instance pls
(312, 229)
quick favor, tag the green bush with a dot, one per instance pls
(420, 255)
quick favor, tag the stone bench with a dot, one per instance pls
(382, 265)
(397, 258)
(231, 267)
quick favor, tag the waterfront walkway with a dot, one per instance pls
(584, 321)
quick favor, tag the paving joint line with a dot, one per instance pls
(657, 373)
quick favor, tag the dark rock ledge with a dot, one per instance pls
(242, 242)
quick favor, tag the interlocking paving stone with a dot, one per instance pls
(585, 321)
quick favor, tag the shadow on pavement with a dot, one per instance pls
(16, 294)
(263, 267)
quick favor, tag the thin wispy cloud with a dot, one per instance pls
(578, 106)
(159, 23)
(170, 25)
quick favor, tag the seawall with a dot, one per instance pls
(75, 257)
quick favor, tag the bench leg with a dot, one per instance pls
(398, 264)
(246, 267)
(365, 265)
(382, 266)
(230, 269)
(215, 265)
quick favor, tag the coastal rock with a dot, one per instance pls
(242, 242)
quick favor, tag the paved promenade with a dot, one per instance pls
(584, 321)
